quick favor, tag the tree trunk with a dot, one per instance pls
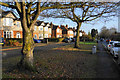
(27, 51)
(77, 35)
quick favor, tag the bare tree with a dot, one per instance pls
(28, 13)
(81, 12)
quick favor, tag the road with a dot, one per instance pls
(17, 52)
(105, 66)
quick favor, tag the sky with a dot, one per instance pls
(98, 24)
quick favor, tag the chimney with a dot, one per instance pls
(73, 27)
(67, 26)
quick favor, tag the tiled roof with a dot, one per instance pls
(55, 27)
(63, 27)
(38, 23)
(4, 13)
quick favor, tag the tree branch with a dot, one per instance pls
(36, 16)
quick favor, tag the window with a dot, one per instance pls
(35, 36)
(7, 22)
(46, 28)
(70, 32)
(40, 28)
(18, 24)
(80, 34)
(49, 30)
(8, 34)
(4, 22)
(58, 30)
(40, 36)
(58, 36)
(49, 36)
(46, 35)
(35, 28)
(117, 44)
(4, 34)
(18, 35)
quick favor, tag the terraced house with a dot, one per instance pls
(56, 31)
(10, 26)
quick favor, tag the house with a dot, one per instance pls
(38, 30)
(70, 33)
(64, 30)
(67, 32)
(42, 30)
(46, 30)
(11, 27)
(56, 31)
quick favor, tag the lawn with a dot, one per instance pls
(56, 64)
(92, 43)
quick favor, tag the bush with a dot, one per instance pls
(60, 39)
(16, 43)
(13, 42)
(55, 39)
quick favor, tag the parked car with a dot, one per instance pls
(67, 40)
(37, 41)
(73, 39)
(2, 41)
(108, 40)
(109, 45)
(115, 49)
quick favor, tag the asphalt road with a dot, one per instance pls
(105, 66)
(17, 52)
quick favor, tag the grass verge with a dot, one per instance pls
(56, 64)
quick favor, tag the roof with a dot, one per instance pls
(45, 24)
(5, 13)
(70, 29)
(55, 27)
(38, 23)
(63, 27)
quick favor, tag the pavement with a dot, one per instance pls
(106, 68)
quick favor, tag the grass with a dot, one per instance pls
(56, 64)
(92, 43)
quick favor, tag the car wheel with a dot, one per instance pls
(115, 57)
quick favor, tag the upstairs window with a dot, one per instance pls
(41, 28)
(46, 28)
(35, 28)
(18, 24)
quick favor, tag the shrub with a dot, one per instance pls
(53, 40)
(13, 42)
(60, 39)
(16, 43)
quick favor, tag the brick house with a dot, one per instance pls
(42, 30)
(70, 33)
(38, 30)
(67, 32)
(10, 26)
(64, 30)
(56, 31)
